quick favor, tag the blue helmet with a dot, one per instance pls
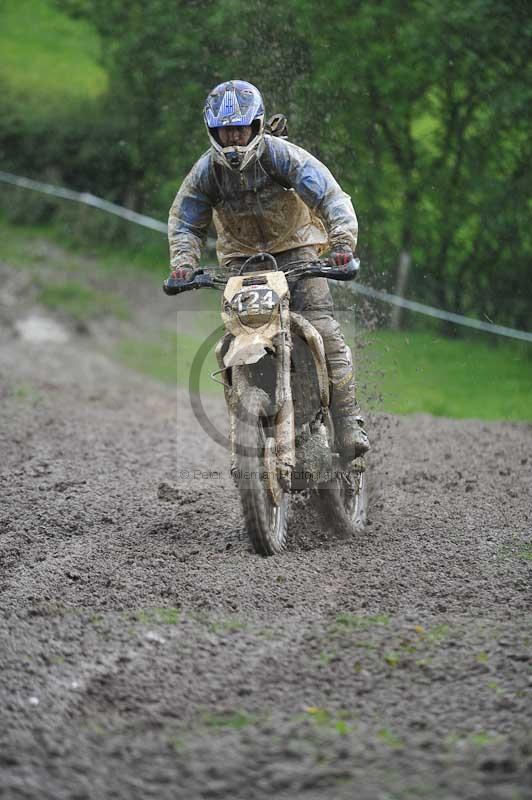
(235, 103)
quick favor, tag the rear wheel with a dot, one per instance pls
(264, 503)
(343, 502)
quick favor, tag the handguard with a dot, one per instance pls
(199, 280)
(326, 269)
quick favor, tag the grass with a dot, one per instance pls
(168, 359)
(25, 393)
(47, 57)
(28, 246)
(158, 616)
(525, 552)
(223, 626)
(390, 739)
(229, 719)
(408, 373)
(522, 551)
(474, 739)
(81, 302)
(340, 722)
(437, 634)
(481, 378)
(488, 384)
(359, 622)
(392, 659)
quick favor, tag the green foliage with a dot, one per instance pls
(398, 372)
(31, 225)
(420, 109)
(52, 90)
(437, 156)
(48, 59)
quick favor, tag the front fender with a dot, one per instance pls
(247, 348)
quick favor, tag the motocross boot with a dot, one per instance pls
(351, 437)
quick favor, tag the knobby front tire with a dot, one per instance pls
(266, 523)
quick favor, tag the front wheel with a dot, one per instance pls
(265, 511)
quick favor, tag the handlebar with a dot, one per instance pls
(202, 279)
(199, 280)
(327, 269)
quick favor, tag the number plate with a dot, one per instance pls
(255, 300)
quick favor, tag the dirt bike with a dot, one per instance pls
(272, 365)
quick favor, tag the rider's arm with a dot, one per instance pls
(190, 216)
(316, 186)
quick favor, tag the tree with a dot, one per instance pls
(428, 120)
(420, 109)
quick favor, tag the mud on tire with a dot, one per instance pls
(265, 522)
(342, 503)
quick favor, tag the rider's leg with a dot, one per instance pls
(311, 297)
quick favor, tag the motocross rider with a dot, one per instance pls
(266, 194)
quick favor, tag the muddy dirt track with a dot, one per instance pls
(147, 653)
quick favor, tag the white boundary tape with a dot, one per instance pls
(86, 198)
(421, 308)
(149, 222)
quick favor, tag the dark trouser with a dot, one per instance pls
(311, 297)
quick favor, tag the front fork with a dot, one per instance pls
(230, 396)
(284, 425)
(285, 440)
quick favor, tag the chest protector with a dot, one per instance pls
(253, 212)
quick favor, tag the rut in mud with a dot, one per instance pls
(147, 652)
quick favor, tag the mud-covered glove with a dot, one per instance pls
(183, 273)
(176, 277)
(341, 255)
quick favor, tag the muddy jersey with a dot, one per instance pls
(287, 199)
